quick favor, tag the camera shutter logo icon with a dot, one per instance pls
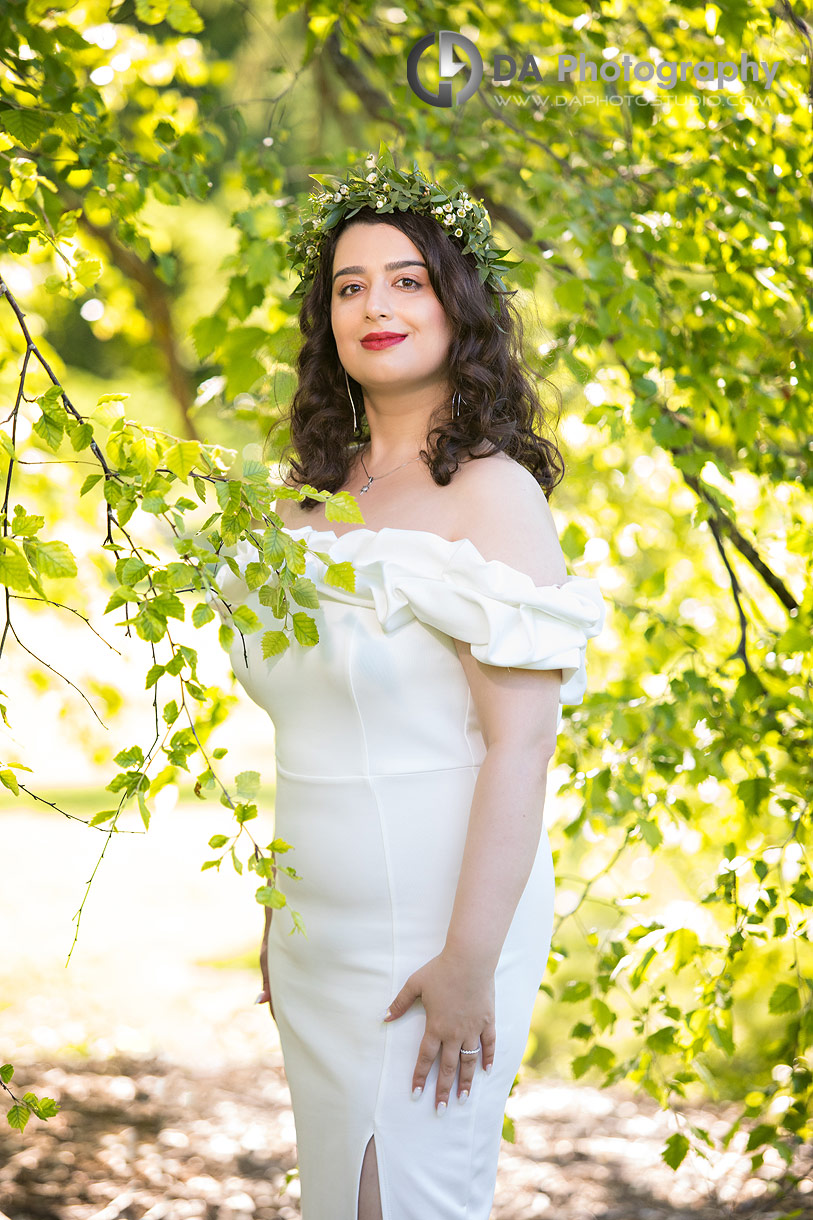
(448, 67)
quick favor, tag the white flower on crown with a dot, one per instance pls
(379, 203)
(372, 177)
(345, 189)
(311, 250)
(336, 197)
(458, 232)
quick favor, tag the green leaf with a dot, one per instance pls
(269, 896)
(151, 11)
(575, 989)
(601, 1057)
(103, 816)
(305, 629)
(662, 1041)
(182, 458)
(650, 832)
(245, 619)
(25, 126)
(674, 1152)
(9, 780)
(46, 1107)
(340, 575)
(144, 811)
(55, 559)
(685, 944)
(87, 271)
(247, 783)
(784, 998)
(763, 1133)
(18, 1116)
(303, 591)
(208, 334)
(639, 973)
(183, 18)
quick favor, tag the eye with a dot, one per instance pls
(400, 280)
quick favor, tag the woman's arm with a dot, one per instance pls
(505, 824)
(504, 512)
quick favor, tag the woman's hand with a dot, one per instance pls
(459, 1003)
(265, 995)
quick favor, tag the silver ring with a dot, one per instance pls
(477, 1052)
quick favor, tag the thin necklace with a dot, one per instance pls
(370, 477)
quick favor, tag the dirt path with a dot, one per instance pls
(147, 1140)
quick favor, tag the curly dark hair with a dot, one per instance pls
(486, 364)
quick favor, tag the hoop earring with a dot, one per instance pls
(352, 404)
(456, 404)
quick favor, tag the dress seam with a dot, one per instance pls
(466, 723)
(381, 1160)
(331, 779)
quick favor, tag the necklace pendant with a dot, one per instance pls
(365, 487)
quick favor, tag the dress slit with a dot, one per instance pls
(371, 1143)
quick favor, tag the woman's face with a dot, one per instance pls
(369, 295)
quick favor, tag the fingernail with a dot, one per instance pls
(441, 1106)
(388, 1013)
(464, 1095)
(488, 1069)
(416, 1092)
(259, 999)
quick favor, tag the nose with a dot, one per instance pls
(378, 304)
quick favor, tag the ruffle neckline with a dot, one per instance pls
(448, 584)
(414, 538)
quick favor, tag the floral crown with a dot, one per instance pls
(384, 187)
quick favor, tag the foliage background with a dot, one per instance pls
(152, 154)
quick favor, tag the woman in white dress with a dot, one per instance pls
(412, 741)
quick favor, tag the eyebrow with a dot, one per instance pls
(405, 262)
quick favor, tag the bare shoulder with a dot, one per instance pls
(503, 511)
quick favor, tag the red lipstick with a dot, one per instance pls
(378, 339)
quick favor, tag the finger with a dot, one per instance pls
(466, 1077)
(262, 998)
(488, 1038)
(449, 1062)
(427, 1054)
(403, 1001)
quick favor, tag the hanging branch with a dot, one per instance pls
(132, 781)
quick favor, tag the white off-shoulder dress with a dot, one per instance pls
(378, 749)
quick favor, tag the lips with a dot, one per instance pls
(376, 344)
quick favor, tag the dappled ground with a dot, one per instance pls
(171, 1082)
(140, 1139)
